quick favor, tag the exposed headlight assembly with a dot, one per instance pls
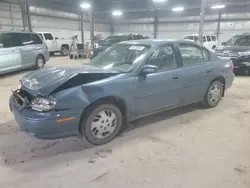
(244, 53)
(43, 104)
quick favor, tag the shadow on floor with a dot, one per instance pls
(17, 147)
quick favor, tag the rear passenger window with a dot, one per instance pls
(208, 39)
(213, 38)
(10, 40)
(36, 39)
(30, 39)
(191, 54)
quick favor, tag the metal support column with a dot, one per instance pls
(22, 7)
(82, 27)
(91, 28)
(218, 26)
(11, 17)
(27, 8)
(201, 27)
(112, 29)
(156, 24)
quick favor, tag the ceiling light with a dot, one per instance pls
(218, 6)
(159, 1)
(178, 9)
(117, 13)
(85, 5)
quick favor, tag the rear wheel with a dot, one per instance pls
(102, 123)
(64, 51)
(40, 62)
(214, 94)
(246, 72)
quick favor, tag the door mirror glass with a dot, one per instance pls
(148, 69)
(1, 45)
(223, 44)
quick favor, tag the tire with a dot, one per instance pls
(64, 51)
(214, 94)
(71, 56)
(40, 62)
(102, 123)
(51, 53)
(246, 72)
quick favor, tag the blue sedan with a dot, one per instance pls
(128, 81)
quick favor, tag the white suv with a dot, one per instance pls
(209, 41)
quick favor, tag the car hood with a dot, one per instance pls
(234, 48)
(50, 80)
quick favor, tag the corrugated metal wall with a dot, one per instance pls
(10, 17)
(64, 24)
(61, 24)
(168, 28)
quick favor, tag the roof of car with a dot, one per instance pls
(155, 42)
(27, 32)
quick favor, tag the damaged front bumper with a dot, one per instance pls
(46, 125)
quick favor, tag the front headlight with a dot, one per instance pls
(43, 104)
(97, 46)
(244, 53)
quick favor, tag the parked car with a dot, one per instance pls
(55, 44)
(209, 41)
(238, 50)
(128, 81)
(21, 50)
(111, 40)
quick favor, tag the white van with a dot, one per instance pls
(209, 41)
(21, 50)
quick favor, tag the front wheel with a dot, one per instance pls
(214, 94)
(102, 124)
(40, 62)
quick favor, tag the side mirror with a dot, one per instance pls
(56, 38)
(1, 45)
(223, 44)
(148, 69)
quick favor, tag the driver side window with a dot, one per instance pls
(163, 58)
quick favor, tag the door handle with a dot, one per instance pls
(175, 77)
(208, 70)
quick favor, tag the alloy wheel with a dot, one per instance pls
(103, 124)
(214, 93)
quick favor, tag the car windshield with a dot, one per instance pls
(116, 39)
(232, 41)
(121, 57)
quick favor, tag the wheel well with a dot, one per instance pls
(106, 100)
(42, 57)
(221, 79)
(65, 45)
(213, 47)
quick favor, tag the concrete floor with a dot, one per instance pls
(189, 147)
